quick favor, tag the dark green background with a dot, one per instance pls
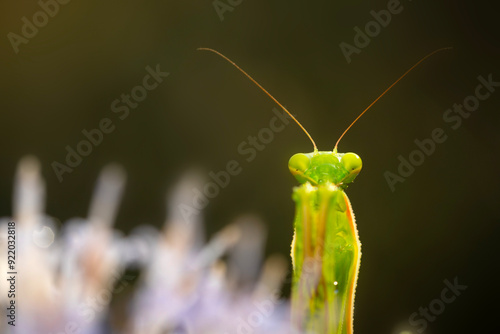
(441, 223)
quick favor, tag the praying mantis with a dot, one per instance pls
(325, 251)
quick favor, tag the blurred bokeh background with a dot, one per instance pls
(440, 223)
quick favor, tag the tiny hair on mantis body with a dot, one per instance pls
(325, 251)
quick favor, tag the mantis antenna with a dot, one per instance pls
(264, 90)
(293, 117)
(378, 98)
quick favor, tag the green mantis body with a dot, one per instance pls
(326, 251)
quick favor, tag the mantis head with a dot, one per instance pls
(321, 167)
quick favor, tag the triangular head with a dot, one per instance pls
(323, 167)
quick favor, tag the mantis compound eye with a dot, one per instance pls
(299, 163)
(352, 163)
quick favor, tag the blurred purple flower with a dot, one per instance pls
(70, 281)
